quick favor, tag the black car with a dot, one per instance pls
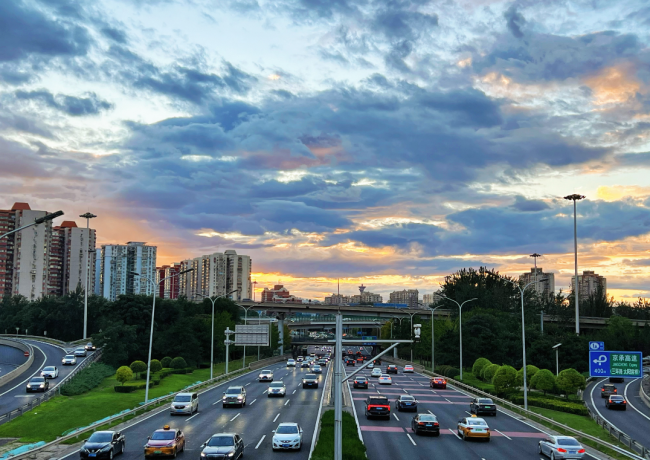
(360, 382)
(304, 364)
(607, 390)
(38, 384)
(103, 444)
(310, 381)
(350, 362)
(425, 423)
(391, 369)
(406, 402)
(377, 406)
(483, 406)
(616, 402)
(223, 445)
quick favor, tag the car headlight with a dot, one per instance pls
(240, 397)
(42, 385)
(203, 454)
(231, 454)
(29, 386)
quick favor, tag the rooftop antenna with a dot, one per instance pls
(361, 289)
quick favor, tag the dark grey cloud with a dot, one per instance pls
(15, 122)
(524, 205)
(112, 33)
(71, 105)
(515, 21)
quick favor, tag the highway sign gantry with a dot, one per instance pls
(615, 364)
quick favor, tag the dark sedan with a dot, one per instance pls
(425, 423)
(304, 364)
(483, 406)
(360, 382)
(391, 369)
(223, 445)
(103, 444)
(406, 402)
(38, 384)
(616, 402)
(310, 381)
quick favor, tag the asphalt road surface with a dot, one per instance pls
(255, 422)
(635, 421)
(14, 394)
(511, 438)
(10, 359)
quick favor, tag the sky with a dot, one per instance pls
(383, 142)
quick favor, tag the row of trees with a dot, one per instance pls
(181, 327)
(492, 325)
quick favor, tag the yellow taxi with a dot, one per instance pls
(473, 427)
(166, 442)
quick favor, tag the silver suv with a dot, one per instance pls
(185, 403)
(234, 396)
(80, 352)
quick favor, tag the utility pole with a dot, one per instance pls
(535, 256)
(576, 288)
(87, 216)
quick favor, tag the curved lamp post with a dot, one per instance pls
(460, 324)
(212, 341)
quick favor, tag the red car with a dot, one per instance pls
(439, 382)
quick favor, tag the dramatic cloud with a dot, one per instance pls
(74, 106)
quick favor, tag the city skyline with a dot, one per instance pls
(330, 142)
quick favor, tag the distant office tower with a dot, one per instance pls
(217, 274)
(98, 271)
(589, 282)
(71, 259)
(24, 264)
(409, 297)
(428, 299)
(543, 288)
(337, 299)
(120, 261)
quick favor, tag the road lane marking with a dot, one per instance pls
(411, 439)
(395, 415)
(264, 391)
(454, 433)
(235, 416)
(247, 384)
(294, 392)
(287, 402)
(276, 417)
(468, 413)
(503, 434)
(628, 401)
(258, 444)
(187, 419)
(448, 400)
(430, 412)
(253, 401)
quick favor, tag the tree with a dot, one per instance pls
(155, 365)
(124, 374)
(479, 365)
(570, 381)
(530, 372)
(543, 380)
(178, 363)
(118, 342)
(489, 371)
(138, 367)
(504, 379)
(165, 362)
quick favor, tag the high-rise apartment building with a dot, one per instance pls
(119, 262)
(170, 286)
(407, 296)
(71, 259)
(543, 288)
(589, 282)
(366, 297)
(428, 299)
(337, 299)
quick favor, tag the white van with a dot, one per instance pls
(185, 403)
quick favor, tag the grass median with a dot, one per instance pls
(353, 448)
(62, 413)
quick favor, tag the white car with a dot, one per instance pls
(385, 380)
(557, 447)
(376, 372)
(408, 368)
(291, 363)
(50, 372)
(69, 359)
(265, 376)
(370, 366)
(81, 352)
(287, 436)
(277, 389)
(184, 403)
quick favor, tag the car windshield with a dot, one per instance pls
(69, 357)
(101, 437)
(316, 366)
(233, 391)
(616, 398)
(485, 401)
(163, 435)
(266, 372)
(287, 429)
(221, 441)
(567, 442)
(184, 398)
(407, 398)
(476, 423)
(89, 344)
(38, 380)
(608, 386)
(49, 368)
(377, 401)
(385, 376)
(80, 349)
(276, 385)
(361, 379)
(310, 376)
(428, 418)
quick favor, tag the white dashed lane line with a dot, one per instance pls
(503, 434)
(454, 433)
(411, 439)
(395, 415)
(235, 416)
(258, 444)
(276, 417)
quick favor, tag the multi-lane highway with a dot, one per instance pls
(255, 422)
(13, 395)
(635, 421)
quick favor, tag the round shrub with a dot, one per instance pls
(489, 371)
(124, 374)
(530, 372)
(505, 378)
(137, 367)
(178, 363)
(479, 365)
(570, 381)
(155, 366)
(166, 361)
(543, 380)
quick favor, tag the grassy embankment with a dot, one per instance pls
(353, 448)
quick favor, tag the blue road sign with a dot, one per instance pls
(615, 364)
(596, 346)
(369, 337)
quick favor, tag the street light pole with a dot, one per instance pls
(557, 359)
(87, 216)
(245, 321)
(576, 289)
(433, 329)
(541, 318)
(212, 341)
(460, 324)
(153, 311)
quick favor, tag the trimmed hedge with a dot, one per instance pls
(165, 362)
(553, 404)
(87, 379)
(448, 371)
(479, 365)
(488, 372)
(178, 363)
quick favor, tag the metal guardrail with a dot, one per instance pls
(50, 393)
(537, 417)
(619, 435)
